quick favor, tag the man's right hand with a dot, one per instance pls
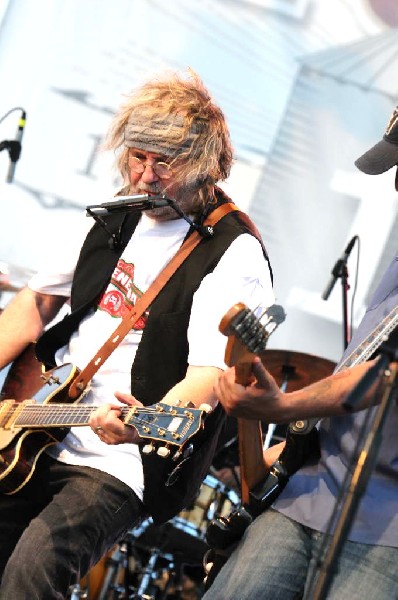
(261, 399)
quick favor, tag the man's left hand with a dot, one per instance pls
(105, 421)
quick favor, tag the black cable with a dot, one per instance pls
(11, 111)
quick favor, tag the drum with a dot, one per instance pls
(214, 500)
(183, 537)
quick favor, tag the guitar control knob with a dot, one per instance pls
(148, 449)
(163, 451)
(299, 425)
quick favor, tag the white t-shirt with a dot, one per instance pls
(242, 275)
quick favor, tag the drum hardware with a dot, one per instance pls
(295, 370)
(162, 562)
(137, 571)
(76, 593)
(149, 576)
(116, 574)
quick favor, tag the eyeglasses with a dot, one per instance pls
(162, 169)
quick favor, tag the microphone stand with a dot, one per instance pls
(386, 372)
(340, 271)
(14, 147)
(345, 286)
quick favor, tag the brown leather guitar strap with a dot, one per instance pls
(141, 305)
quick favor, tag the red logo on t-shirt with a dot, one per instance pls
(112, 302)
(121, 293)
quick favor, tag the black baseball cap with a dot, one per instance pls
(383, 155)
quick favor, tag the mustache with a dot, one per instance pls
(152, 189)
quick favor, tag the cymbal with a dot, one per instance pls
(295, 370)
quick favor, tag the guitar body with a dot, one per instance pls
(18, 459)
(20, 448)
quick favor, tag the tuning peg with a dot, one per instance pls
(206, 408)
(148, 448)
(163, 451)
(177, 454)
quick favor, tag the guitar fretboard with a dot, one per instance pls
(358, 356)
(60, 415)
(373, 341)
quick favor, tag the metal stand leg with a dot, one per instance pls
(116, 563)
(76, 593)
(147, 586)
(142, 569)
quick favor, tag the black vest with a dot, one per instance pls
(161, 358)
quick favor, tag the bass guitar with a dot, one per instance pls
(301, 442)
(247, 338)
(28, 427)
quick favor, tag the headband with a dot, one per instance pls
(163, 136)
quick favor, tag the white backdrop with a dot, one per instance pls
(297, 121)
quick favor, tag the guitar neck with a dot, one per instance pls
(372, 342)
(250, 439)
(53, 415)
(247, 338)
(252, 466)
(359, 355)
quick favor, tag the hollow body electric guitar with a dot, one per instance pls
(301, 439)
(28, 427)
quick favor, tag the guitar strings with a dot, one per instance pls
(60, 410)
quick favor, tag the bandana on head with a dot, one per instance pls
(161, 136)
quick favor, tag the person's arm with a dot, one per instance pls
(23, 320)
(196, 387)
(263, 399)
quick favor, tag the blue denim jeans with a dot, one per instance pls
(58, 526)
(277, 557)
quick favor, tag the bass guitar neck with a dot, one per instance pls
(247, 338)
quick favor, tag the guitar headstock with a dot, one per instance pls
(166, 427)
(248, 334)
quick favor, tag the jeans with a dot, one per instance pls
(58, 526)
(277, 556)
